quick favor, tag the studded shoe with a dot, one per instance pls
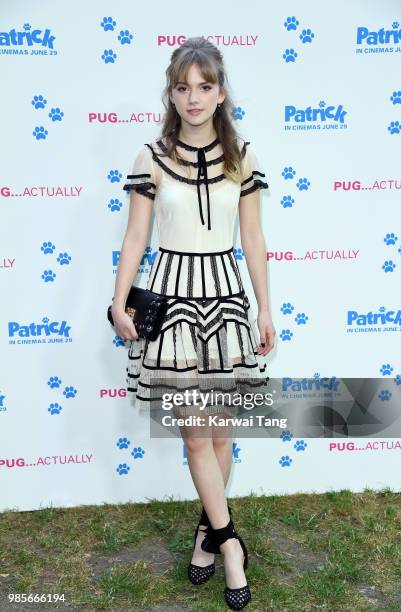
(196, 573)
(238, 598)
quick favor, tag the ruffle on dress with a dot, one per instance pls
(143, 177)
(252, 172)
(203, 345)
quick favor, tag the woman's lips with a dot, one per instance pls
(195, 111)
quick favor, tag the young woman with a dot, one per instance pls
(197, 176)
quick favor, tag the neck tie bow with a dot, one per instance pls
(202, 173)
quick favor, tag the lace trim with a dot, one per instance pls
(252, 176)
(142, 188)
(257, 185)
(144, 192)
(183, 179)
(186, 162)
(188, 147)
(133, 176)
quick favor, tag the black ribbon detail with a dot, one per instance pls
(202, 173)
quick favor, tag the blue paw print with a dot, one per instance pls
(56, 114)
(123, 468)
(396, 97)
(239, 254)
(138, 452)
(290, 55)
(54, 408)
(300, 445)
(63, 259)
(286, 334)
(287, 308)
(108, 24)
(114, 176)
(291, 23)
(395, 25)
(48, 276)
(40, 133)
(70, 392)
(322, 104)
(288, 173)
(287, 201)
(397, 379)
(388, 266)
(386, 369)
(307, 36)
(123, 443)
(237, 112)
(27, 26)
(286, 436)
(394, 127)
(301, 318)
(384, 395)
(117, 341)
(109, 56)
(115, 205)
(125, 37)
(285, 461)
(303, 184)
(390, 238)
(54, 382)
(47, 247)
(39, 102)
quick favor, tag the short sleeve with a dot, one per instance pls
(252, 175)
(142, 178)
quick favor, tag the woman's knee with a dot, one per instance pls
(220, 442)
(198, 445)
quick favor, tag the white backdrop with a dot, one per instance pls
(330, 121)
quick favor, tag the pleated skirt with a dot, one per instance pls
(208, 340)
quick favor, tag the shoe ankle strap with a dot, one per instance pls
(224, 533)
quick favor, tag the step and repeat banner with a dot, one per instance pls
(320, 101)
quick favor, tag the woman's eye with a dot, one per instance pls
(181, 87)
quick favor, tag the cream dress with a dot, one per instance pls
(209, 336)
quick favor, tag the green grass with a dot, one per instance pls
(334, 551)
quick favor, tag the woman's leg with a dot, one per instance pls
(210, 476)
(223, 446)
(209, 482)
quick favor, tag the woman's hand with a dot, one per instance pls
(123, 324)
(267, 332)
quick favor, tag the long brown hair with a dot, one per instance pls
(198, 50)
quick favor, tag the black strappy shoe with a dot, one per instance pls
(196, 573)
(209, 543)
(236, 599)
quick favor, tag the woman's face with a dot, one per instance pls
(196, 94)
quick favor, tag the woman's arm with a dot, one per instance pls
(254, 248)
(133, 246)
(132, 250)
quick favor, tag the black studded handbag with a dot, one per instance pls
(147, 310)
